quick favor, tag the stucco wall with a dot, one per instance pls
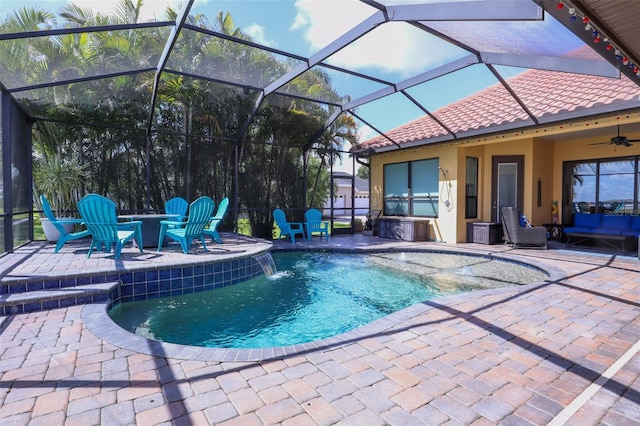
(444, 227)
(544, 152)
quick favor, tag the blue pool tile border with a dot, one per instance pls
(138, 285)
(179, 280)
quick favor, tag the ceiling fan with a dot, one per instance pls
(618, 140)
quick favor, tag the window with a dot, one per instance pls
(411, 188)
(616, 185)
(603, 186)
(471, 189)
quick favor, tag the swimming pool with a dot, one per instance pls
(314, 296)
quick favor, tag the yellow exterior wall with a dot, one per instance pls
(543, 170)
(544, 151)
(444, 227)
(450, 226)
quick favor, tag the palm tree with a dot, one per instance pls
(206, 116)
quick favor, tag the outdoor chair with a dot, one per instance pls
(616, 207)
(371, 224)
(177, 205)
(59, 223)
(583, 207)
(99, 215)
(200, 212)
(290, 229)
(212, 230)
(521, 236)
(313, 223)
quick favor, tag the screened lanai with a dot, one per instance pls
(155, 99)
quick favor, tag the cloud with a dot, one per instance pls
(365, 133)
(392, 48)
(323, 21)
(258, 34)
(150, 9)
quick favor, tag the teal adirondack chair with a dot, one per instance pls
(313, 222)
(177, 205)
(616, 206)
(58, 224)
(99, 215)
(290, 229)
(215, 221)
(200, 212)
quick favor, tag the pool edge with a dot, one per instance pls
(95, 317)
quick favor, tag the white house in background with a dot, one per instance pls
(342, 204)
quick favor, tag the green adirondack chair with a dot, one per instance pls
(58, 223)
(215, 221)
(290, 229)
(99, 215)
(200, 212)
(313, 223)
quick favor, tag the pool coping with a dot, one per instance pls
(96, 318)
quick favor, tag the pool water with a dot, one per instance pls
(312, 297)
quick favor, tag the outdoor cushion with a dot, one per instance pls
(577, 230)
(635, 223)
(613, 225)
(618, 222)
(634, 228)
(586, 220)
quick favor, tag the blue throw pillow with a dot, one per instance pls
(524, 222)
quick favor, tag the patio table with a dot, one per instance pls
(150, 225)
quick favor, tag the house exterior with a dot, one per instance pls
(342, 199)
(457, 181)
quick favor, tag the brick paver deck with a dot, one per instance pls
(516, 356)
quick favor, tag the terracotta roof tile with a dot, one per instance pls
(544, 93)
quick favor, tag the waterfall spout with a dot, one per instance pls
(267, 263)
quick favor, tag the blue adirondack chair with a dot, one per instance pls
(200, 212)
(290, 229)
(99, 215)
(313, 222)
(177, 205)
(59, 223)
(215, 221)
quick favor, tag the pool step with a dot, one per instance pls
(38, 300)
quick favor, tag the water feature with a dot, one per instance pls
(265, 260)
(317, 295)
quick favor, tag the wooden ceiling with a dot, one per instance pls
(619, 19)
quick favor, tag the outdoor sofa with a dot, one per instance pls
(610, 229)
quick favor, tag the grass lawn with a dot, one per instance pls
(244, 228)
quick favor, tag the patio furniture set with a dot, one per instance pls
(182, 222)
(313, 223)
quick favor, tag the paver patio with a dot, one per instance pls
(519, 355)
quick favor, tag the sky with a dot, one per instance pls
(392, 52)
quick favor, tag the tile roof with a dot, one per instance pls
(544, 93)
